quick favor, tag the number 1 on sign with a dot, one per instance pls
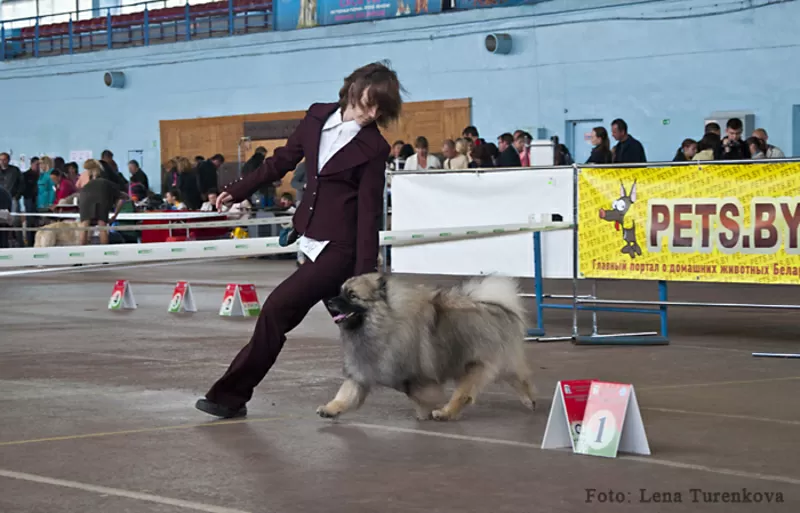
(600, 430)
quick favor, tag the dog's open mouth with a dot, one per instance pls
(342, 317)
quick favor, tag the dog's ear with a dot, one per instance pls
(382, 285)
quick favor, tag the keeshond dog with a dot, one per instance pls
(416, 338)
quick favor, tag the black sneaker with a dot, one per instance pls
(219, 410)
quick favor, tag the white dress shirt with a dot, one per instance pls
(412, 163)
(336, 134)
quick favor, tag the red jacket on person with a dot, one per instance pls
(342, 203)
(65, 189)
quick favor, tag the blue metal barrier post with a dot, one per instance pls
(69, 36)
(230, 17)
(188, 34)
(146, 27)
(662, 296)
(36, 39)
(2, 42)
(538, 281)
(109, 32)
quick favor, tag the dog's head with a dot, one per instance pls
(357, 297)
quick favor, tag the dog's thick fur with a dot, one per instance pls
(61, 237)
(415, 338)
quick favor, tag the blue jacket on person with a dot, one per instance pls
(47, 191)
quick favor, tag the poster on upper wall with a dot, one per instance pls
(80, 156)
(298, 14)
(479, 4)
(733, 223)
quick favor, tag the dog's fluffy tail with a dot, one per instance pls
(498, 290)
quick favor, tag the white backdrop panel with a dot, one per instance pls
(444, 200)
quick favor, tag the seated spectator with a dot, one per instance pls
(757, 148)
(64, 187)
(627, 150)
(455, 159)
(286, 202)
(482, 157)
(471, 133)
(706, 146)
(95, 201)
(211, 204)
(601, 153)
(561, 155)
(508, 156)
(173, 199)
(422, 159)
(687, 151)
(395, 161)
(733, 148)
(773, 152)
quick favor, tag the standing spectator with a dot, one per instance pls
(508, 156)
(757, 148)
(72, 172)
(5, 216)
(299, 180)
(110, 171)
(207, 176)
(522, 142)
(471, 133)
(255, 161)
(30, 189)
(60, 166)
(706, 147)
(714, 128)
(137, 175)
(199, 159)
(773, 152)
(46, 194)
(95, 202)
(170, 179)
(733, 148)
(10, 180)
(687, 151)
(64, 187)
(188, 184)
(422, 159)
(627, 150)
(601, 153)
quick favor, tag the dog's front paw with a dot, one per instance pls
(441, 415)
(327, 413)
(423, 415)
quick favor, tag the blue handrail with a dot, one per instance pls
(141, 23)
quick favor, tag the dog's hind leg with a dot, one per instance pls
(522, 383)
(426, 398)
(350, 396)
(478, 376)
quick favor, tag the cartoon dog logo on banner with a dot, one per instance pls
(617, 215)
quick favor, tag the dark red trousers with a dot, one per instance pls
(285, 307)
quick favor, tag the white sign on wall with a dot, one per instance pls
(79, 157)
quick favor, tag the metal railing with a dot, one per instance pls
(137, 24)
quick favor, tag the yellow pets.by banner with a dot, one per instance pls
(703, 223)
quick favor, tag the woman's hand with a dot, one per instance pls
(222, 199)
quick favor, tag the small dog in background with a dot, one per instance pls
(62, 235)
(415, 338)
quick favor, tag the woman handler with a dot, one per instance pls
(338, 220)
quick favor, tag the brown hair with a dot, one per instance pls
(183, 164)
(46, 162)
(383, 91)
(93, 167)
(602, 133)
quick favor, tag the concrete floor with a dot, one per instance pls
(97, 410)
